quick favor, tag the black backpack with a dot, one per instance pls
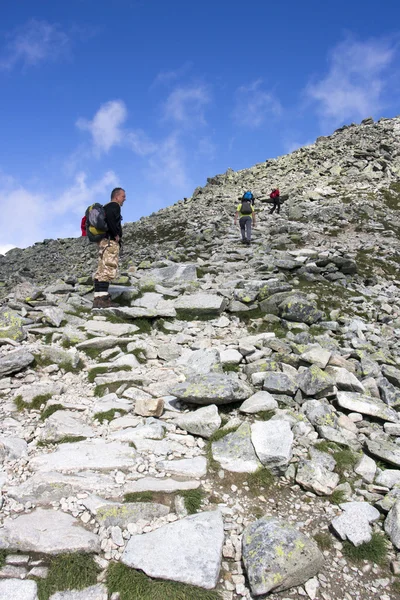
(246, 207)
(96, 223)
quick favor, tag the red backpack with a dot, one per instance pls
(83, 226)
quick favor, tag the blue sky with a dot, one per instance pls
(155, 96)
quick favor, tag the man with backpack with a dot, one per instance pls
(109, 246)
(246, 214)
(275, 196)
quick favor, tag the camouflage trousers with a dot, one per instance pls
(108, 260)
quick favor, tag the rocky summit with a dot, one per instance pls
(231, 428)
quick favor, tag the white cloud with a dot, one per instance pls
(185, 105)
(140, 143)
(255, 105)
(32, 216)
(5, 248)
(166, 77)
(34, 42)
(80, 195)
(167, 165)
(353, 86)
(105, 128)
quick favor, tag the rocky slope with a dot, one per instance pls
(257, 388)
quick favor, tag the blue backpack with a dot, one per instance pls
(248, 196)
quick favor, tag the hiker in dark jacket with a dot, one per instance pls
(109, 248)
(275, 196)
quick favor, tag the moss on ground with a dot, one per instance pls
(68, 572)
(134, 585)
(324, 540)
(36, 403)
(139, 497)
(262, 478)
(47, 412)
(109, 415)
(374, 551)
(192, 500)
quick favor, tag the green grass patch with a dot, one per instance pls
(109, 415)
(213, 465)
(230, 368)
(92, 352)
(265, 415)
(139, 497)
(68, 367)
(221, 433)
(68, 439)
(3, 555)
(345, 460)
(134, 585)
(324, 540)
(103, 388)
(328, 447)
(92, 373)
(262, 478)
(47, 412)
(337, 497)
(192, 500)
(68, 572)
(374, 551)
(36, 403)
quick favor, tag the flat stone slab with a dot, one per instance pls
(44, 488)
(202, 303)
(79, 456)
(48, 532)
(316, 356)
(235, 452)
(392, 524)
(15, 361)
(213, 388)
(366, 405)
(103, 343)
(114, 329)
(152, 484)
(173, 273)
(277, 556)
(189, 550)
(185, 467)
(354, 523)
(387, 451)
(119, 515)
(111, 402)
(165, 308)
(64, 423)
(94, 592)
(344, 380)
(258, 402)
(16, 589)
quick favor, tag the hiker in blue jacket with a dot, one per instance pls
(245, 213)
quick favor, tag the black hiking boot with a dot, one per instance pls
(103, 302)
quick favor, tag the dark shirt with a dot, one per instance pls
(113, 217)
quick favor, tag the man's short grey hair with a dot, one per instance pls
(115, 192)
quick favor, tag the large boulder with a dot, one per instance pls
(212, 388)
(11, 325)
(277, 556)
(15, 361)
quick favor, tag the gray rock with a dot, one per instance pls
(44, 488)
(316, 356)
(366, 467)
(296, 307)
(111, 329)
(385, 450)
(15, 361)
(15, 589)
(392, 524)
(204, 421)
(277, 557)
(78, 456)
(94, 592)
(366, 405)
(313, 476)
(279, 383)
(164, 308)
(213, 388)
(201, 303)
(201, 362)
(175, 273)
(258, 402)
(53, 315)
(315, 382)
(11, 325)
(111, 402)
(186, 467)
(48, 532)
(57, 356)
(354, 523)
(272, 441)
(344, 380)
(167, 486)
(63, 424)
(189, 550)
(31, 391)
(231, 357)
(388, 478)
(235, 452)
(392, 374)
(119, 515)
(12, 448)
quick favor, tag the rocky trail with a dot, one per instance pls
(231, 429)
